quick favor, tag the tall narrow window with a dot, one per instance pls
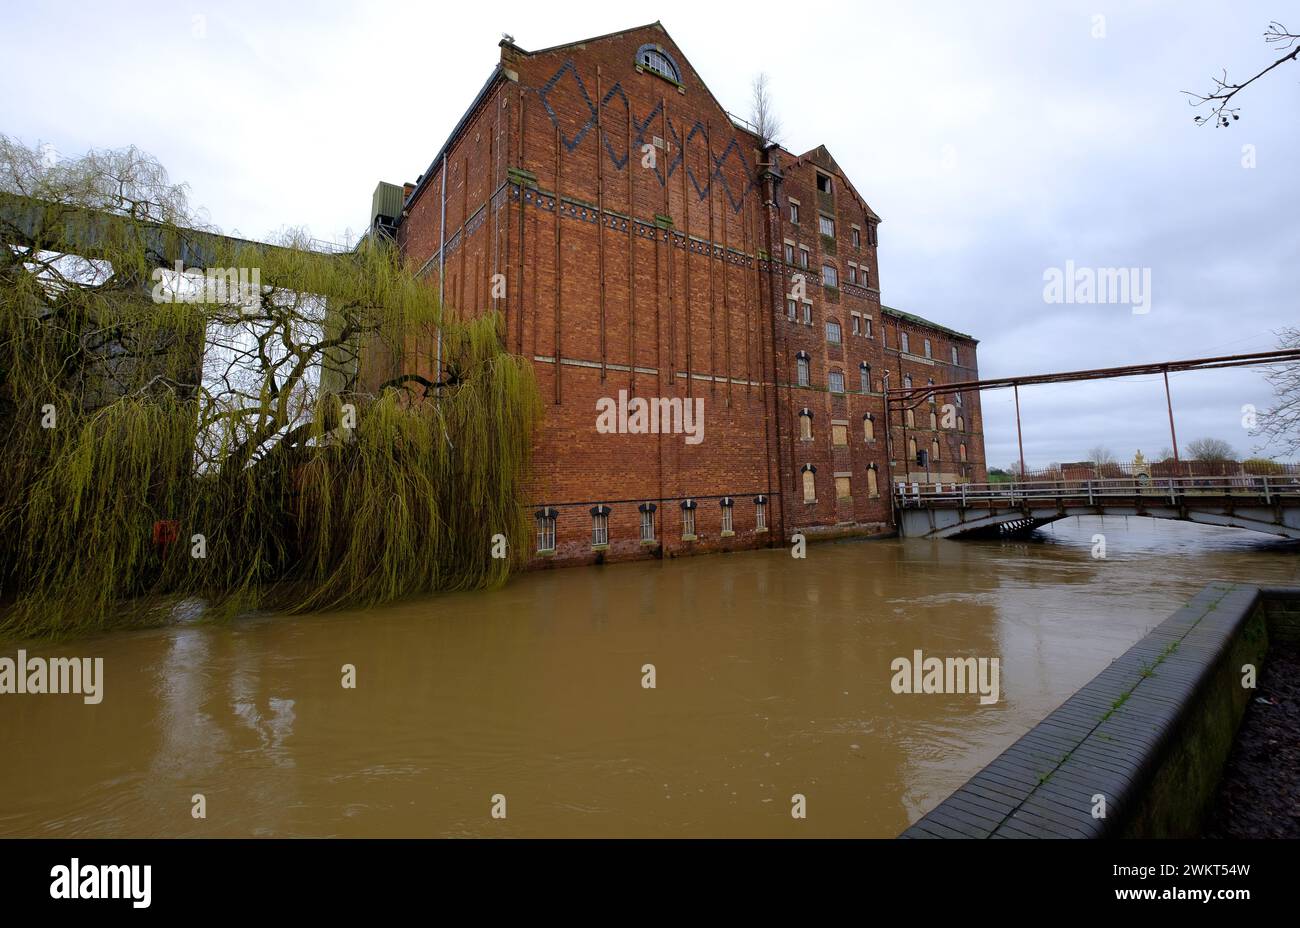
(868, 428)
(804, 256)
(961, 423)
(927, 348)
(853, 273)
(910, 418)
(794, 211)
(843, 490)
(911, 449)
(789, 253)
(546, 530)
(760, 514)
(934, 450)
(907, 381)
(792, 309)
(864, 375)
(809, 485)
(856, 324)
(803, 371)
(832, 331)
(805, 426)
(807, 314)
(688, 519)
(648, 522)
(954, 354)
(726, 517)
(873, 490)
(599, 526)
(904, 342)
(866, 322)
(857, 237)
(836, 381)
(962, 452)
(934, 421)
(830, 276)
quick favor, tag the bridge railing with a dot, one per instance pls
(1266, 488)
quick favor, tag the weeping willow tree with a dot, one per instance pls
(257, 431)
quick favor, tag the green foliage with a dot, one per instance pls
(305, 435)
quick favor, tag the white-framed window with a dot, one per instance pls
(904, 343)
(656, 60)
(789, 252)
(857, 236)
(804, 256)
(647, 524)
(599, 528)
(792, 309)
(726, 516)
(760, 515)
(853, 273)
(545, 531)
(802, 365)
(807, 313)
(927, 348)
(830, 276)
(855, 323)
(833, 332)
(794, 212)
(863, 277)
(836, 381)
(688, 522)
(954, 354)
(864, 375)
(866, 326)
(826, 225)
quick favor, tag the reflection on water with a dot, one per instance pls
(772, 679)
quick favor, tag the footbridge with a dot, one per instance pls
(1269, 504)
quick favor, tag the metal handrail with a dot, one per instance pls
(1268, 487)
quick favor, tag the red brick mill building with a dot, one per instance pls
(655, 254)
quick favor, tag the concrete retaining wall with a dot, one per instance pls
(1145, 741)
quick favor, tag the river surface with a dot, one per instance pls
(772, 678)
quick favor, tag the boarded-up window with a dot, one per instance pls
(842, 489)
(809, 487)
(872, 488)
(839, 434)
(869, 429)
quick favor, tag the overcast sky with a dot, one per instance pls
(996, 140)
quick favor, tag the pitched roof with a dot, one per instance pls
(920, 320)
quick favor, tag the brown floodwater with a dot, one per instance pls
(772, 678)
